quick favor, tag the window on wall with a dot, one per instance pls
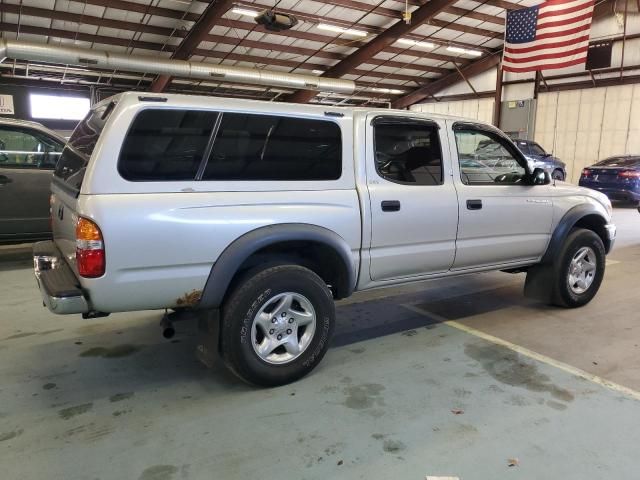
(58, 107)
(408, 152)
(486, 158)
(270, 147)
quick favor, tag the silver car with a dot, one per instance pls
(28, 154)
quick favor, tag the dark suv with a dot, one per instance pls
(538, 158)
(28, 155)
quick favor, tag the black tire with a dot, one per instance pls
(256, 290)
(563, 294)
(558, 175)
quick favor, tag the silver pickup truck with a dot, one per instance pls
(258, 215)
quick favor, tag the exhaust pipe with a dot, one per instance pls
(81, 57)
(167, 327)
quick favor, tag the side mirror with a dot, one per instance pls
(540, 176)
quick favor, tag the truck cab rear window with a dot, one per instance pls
(171, 145)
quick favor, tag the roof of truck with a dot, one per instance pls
(168, 98)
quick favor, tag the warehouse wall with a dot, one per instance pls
(584, 126)
(478, 109)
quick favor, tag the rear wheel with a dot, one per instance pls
(580, 269)
(276, 325)
(558, 175)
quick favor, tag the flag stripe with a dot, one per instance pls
(553, 42)
(563, 52)
(559, 32)
(548, 61)
(550, 66)
(556, 7)
(563, 22)
(575, 8)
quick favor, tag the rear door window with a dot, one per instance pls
(76, 155)
(165, 144)
(408, 152)
(271, 147)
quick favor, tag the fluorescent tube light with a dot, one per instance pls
(335, 28)
(244, 11)
(465, 51)
(415, 43)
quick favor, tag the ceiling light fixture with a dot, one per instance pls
(465, 51)
(244, 11)
(335, 28)
(318, 72)
(415, 43)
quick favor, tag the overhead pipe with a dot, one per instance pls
(40, 52)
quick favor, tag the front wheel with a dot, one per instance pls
(558, 175)
(276, 325)
(580, 269)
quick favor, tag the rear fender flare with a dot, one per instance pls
(231, 259)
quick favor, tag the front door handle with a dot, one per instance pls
(390, 205)
(4, 180)
(474, 204)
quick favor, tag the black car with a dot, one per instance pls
(617, 177)
(28, 155)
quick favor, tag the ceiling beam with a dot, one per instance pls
(378, 44)
(192, 17)
(167, 31)
(432, 88)
(192, 40)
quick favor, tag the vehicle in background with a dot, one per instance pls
(28, 154)
(617, 177)
(538, 158)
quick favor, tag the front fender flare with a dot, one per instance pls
(566, 223)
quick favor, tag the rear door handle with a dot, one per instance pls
(390, 205)
(474, 204)
(4, 180)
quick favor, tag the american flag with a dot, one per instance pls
(554, 34)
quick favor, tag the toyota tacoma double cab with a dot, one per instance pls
(258, 215)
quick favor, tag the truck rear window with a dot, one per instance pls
(77, 153)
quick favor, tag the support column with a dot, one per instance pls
(498, 98)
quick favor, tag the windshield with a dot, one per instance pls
(536, 149)
(77, 153)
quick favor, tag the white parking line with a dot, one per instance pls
(529, 353)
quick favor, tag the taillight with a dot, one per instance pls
(90, 259)
(629, 174)
(586, 172)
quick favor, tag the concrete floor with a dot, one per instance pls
(401, 394)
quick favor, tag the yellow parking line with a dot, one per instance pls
(529, 353)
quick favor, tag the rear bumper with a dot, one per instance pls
(60, 289)
(615, 193)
